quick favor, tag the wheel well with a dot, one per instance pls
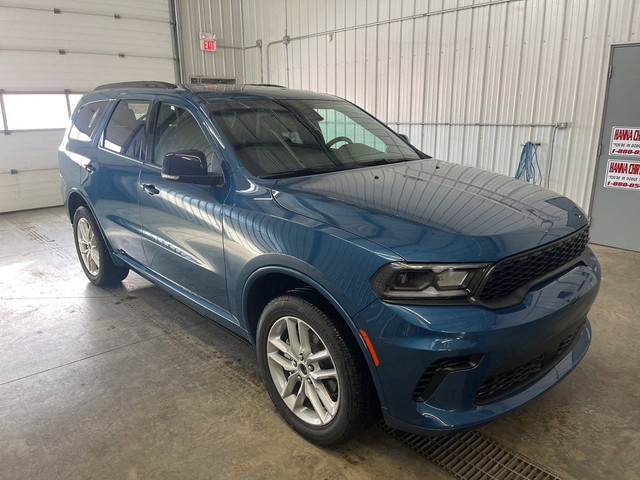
(75, 201)
(272, 285)
(265, 289)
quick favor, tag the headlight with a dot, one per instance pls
(427, 282)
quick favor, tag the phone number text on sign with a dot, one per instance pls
(625, 141)
(623, 174)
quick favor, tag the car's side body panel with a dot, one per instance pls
(260, 233)
(182, 224)
(182, 234)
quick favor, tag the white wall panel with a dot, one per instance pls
(31, 189)
(34, 156)
(31, 36)
(469, 85)
(98, 48)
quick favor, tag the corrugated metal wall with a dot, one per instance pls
(222, 18)
(468, 80)
(102, 42)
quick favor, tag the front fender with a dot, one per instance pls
(289, 265)
(313, 277)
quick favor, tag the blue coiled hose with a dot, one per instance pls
(529, 167)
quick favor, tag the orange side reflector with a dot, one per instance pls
(369, 345)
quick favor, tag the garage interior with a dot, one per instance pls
(126, 382)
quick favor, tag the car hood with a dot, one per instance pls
(434, 211)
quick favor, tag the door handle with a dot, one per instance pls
(90, 167)
(150, 189)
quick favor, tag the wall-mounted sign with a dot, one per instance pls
(208, 45)
(623, 174)
(625, 141)
(207, 42)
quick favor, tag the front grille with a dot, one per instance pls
(499, 385)
(508, 381)
(514, 272)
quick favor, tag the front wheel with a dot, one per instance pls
(315, 376)
(92, 251)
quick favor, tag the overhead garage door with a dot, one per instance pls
(50, 53)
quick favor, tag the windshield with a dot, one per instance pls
(282, 138)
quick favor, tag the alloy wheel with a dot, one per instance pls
(303, 371)
(88, 246)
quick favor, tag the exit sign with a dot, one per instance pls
(208, 45)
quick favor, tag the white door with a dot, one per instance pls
(73, 48)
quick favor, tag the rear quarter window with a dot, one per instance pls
(125, 132)
(86, 120)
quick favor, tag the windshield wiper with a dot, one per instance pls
(380, 161)
(373, 163)
(300, 173)
(335, 168)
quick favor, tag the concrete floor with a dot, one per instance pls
(128, 383)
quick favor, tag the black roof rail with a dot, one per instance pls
(137, 84)
(265, 85)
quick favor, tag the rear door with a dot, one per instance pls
(110, 178)
(182, 222)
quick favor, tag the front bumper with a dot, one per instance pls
(548, 330)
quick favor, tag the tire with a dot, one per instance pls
(336, 406)
(92, 251)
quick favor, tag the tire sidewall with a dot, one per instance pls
(318, 321)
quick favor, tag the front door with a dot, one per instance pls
(616, 198)
(182, 222)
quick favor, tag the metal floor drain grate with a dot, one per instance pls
(474, 456)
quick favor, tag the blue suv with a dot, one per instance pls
(370, 277)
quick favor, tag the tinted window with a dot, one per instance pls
(125, 131)
(86, 120)
(278, 138)
(178, 130)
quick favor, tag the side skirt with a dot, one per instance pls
(193, 301)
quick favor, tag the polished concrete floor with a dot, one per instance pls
(126, 382)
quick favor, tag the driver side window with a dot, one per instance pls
(176, 130)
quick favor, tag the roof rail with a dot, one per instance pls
(137, 84)
(265, 85)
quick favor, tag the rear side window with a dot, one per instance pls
(86, 120)
(125, 132)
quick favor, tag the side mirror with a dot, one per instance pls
(404, 137)
(189, 166)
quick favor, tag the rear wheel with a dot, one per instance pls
(92, 251)
(318, 383)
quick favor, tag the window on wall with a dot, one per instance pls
(38, 111)
(34, 111)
